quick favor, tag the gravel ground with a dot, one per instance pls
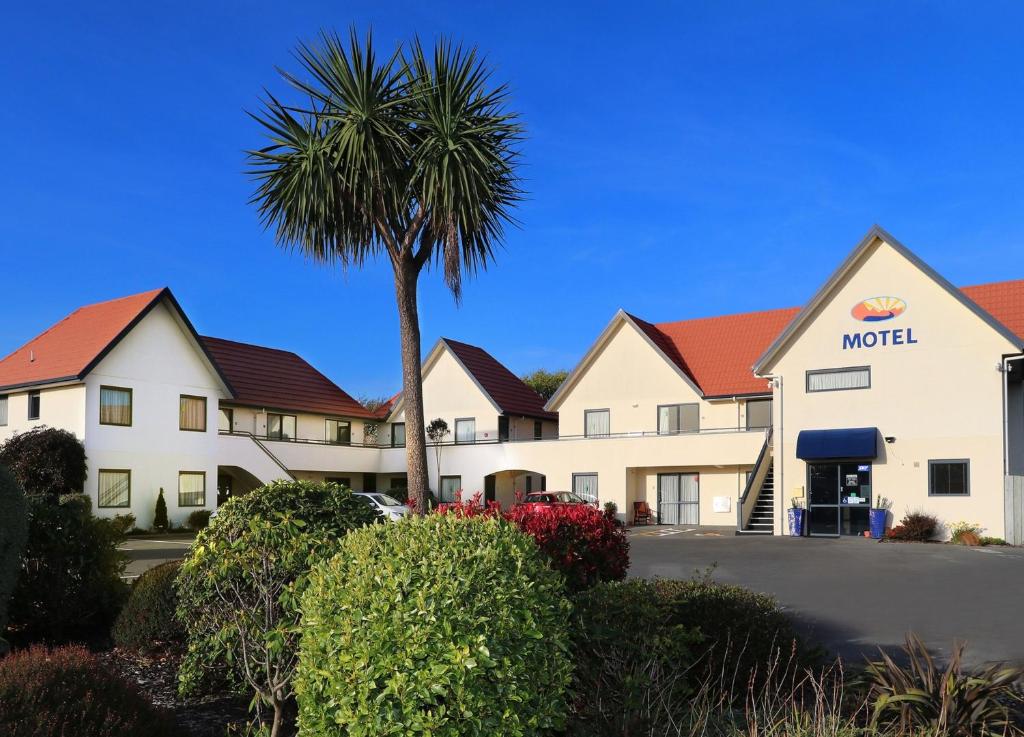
(157, 677)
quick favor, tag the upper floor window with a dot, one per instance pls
(34, 405)
(759, 414)
(677, 418)
(465, 430)
(280, 427)
(949, 477)
(226, 420)
(3, 409)
(339, 432)
(839, 379)
(538, 429)
(192, 413)
(503, 424)
(597, 422)
(398, 435)
(115, 406)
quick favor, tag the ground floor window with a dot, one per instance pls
(340, 480)
(949, 477)
(585, 485)
(115, 488)
(839, 498)
(450, 487)
(192, 489)
(679, 498)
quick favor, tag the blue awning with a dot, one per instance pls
(851, 442)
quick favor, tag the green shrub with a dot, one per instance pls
(66, 691)
(70, 581)
(13, 534)
(441, 625)
(744, 632)
(160, 522)
(147, 621)
(199, 520)
(632, 662)
(989, 540)
(239, 585)
(46, 461)
(915, 527)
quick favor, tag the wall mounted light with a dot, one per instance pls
(890, 439)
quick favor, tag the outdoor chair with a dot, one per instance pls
(641, 513)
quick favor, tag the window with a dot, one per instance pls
(399, 484)
(584, 485)
(759, 414)
(677, 418)
(34, 405)
(502, 428)
(841, 379)
(529, 484)
(538, 429)
(450, 487)
(340, 480)
(597, 423)
(226, 420)
(114, 488)
(192, 489)
(339, 432)
(465, 430)
(192, 413)
(949, 478)
(115, 406)
(280, 427)
(398, 435)
(3, 409)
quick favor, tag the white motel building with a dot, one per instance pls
(890, 382)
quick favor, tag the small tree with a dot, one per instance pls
(46, 461)
(437, 431)
(545, 383)
(160, 515)
(13, 534)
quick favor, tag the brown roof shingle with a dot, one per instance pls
(506, 389)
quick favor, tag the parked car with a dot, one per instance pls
(389, 507)
(541, 499)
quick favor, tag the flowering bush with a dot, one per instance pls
(914, 527)
(966, 533)
(581, 542)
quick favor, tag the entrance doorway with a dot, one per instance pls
(839, 497)
(678, 499)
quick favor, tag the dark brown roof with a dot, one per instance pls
(276, 379)
(505, 389)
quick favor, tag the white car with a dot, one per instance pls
(389, 507)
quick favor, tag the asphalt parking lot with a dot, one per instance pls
(853, 594)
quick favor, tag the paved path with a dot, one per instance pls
(854, 594)
(145, 553)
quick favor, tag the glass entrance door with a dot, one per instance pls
(839, 497)
(678, 499)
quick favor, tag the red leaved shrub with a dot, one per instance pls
(581, 542)
(67, 691)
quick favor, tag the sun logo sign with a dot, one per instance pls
(879, 309)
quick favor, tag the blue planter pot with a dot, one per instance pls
(877, 519)
(796, 522)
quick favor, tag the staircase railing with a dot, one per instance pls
(264, 448)
(745, 505)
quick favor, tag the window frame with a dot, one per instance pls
(440, 488)
(338, 422)
(393, 426)
(932, 462)
(538, 430)
(131, 405)
(456, 433)
(191, 473)
(597, 486)
(771, 412)
(128, 503)
(229, 413)
(838, 370)
(38, 397)
(281, 435)
(679, 406)
(206, 409)
(5, 400)
(588, 412)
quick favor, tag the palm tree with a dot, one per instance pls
(413, 157)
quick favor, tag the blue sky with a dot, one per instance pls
(683, 159)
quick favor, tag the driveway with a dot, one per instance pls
(146, 552)
(854, 595)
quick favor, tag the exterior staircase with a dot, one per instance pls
(762, 519)
(755, 510)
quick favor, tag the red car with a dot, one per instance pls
(541, 499)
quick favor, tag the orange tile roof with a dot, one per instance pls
(69, 350)
(276, 379)
(717, 352)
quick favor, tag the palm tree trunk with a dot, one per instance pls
(406, 278)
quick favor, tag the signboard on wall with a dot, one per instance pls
(721, 504)
(878, 310)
